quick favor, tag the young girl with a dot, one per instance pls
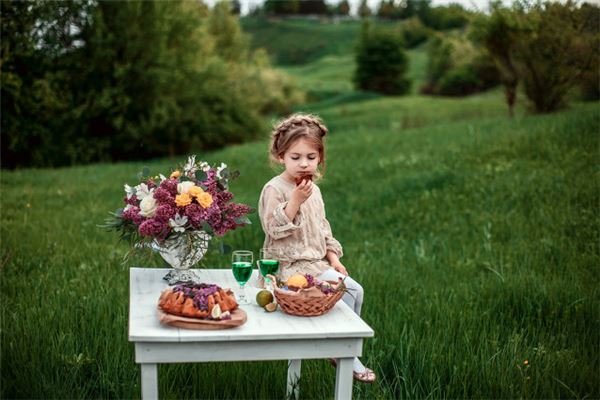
(292, 212)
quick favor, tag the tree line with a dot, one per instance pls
(103, 81)
(552, 49)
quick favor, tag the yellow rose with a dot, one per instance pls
(195, 191)
(183, 199)
(205, 199)
(175, 174)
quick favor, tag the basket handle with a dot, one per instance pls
(273, 279)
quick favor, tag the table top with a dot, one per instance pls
(145, 287)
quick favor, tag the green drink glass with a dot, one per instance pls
(268, 264)
(241, 266)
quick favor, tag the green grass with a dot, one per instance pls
(301, 41)
(475, 237)
(329, 78)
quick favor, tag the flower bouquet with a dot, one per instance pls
(304, 295)
(177, 216)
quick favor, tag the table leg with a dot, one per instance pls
(343, 379)
(149, 382)
(293, 378)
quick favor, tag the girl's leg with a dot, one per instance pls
(355, 294)
(354, 300)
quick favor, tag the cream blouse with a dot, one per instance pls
(302, 243)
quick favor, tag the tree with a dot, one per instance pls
(380, 62)
(363, 9)
(498, 34)
(553, 52)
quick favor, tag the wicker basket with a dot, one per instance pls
(307, 302)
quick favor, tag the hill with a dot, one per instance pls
(474, 236)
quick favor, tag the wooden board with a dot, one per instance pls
(238, 317)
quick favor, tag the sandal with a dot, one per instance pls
(367, 376)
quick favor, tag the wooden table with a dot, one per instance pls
(265, 336)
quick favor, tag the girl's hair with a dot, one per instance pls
(295, 127)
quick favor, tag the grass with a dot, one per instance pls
(475, 237)
(301, 41)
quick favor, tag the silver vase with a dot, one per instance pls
(182, 252)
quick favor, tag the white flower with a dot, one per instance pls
(130, 191)
(148, 207)
(162, 177)
(190, 166)
(142, 191)
(127, 207)
(184, 187)
(178, 224)
(220, 169)
(204, 166)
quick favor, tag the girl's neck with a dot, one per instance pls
(286, 177)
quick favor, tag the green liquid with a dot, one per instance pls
(268, 267)
(242, 271)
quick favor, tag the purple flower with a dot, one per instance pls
(196, 215)
(169, 185)
(153, 228)
(132, 200)
(164, 212)
(163, 196)
(133, 214)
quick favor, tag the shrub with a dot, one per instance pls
(134, 80)
(414, 32)
(457, 68)
(381, 64)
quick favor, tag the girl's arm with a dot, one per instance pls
(334, 260)
(271, 210)
(298, 196)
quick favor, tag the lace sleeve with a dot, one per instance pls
(275, 222)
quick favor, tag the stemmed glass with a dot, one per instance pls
(241, 265)
(268, 264)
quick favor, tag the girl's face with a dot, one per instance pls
(300, 159)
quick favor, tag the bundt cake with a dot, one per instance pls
(197, 300)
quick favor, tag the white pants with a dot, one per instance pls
(353, 298)
(355, 294)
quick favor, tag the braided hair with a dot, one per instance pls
(295, 127)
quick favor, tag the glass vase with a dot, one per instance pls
(182, 252)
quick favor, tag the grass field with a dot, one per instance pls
(475, 236)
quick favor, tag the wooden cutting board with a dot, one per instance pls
(238, 317)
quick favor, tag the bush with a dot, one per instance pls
(414, 32)
(381, 64)
(135, 80)
(457, 68)
(441, 18)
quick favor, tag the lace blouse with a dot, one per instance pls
(302, 243)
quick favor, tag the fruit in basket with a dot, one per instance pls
(297, 281)
(264, 297)
(270, 307)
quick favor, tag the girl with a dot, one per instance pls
(292, 212)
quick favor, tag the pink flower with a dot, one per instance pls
(170, 185)
(195, 214)
(132, 200)
(164, 212)
(153, 228)
(133, 214)
(163, 196)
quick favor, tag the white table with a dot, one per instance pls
(265, 336)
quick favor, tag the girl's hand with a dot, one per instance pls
(339, 267)
(302, 192)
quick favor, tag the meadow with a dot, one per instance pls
(475, 236)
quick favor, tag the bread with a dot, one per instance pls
(307, 176)
(196, 300)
